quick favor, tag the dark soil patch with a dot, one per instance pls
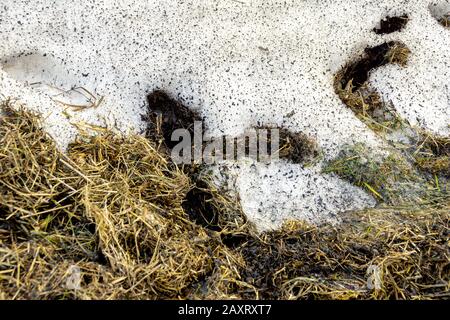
(445, 21)
(366, 103)
(235, 240)
(165, 115)
(297, 147)
(392, 24)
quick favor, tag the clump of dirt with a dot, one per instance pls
(297, 147)
(445, 21)
(165, 115)
(392, 24)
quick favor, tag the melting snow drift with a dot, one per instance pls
(240, 64)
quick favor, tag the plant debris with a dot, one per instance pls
(433, 154)
(166, 115)
(295, 147)
(430, 152)
(445, 21)
(329, 262)
(352, 88)
(357, 73)
(390, 179)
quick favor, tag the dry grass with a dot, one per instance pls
(429, 152)
(398, 54)
(432, 154)
(377, 254)
(390, 179)
(110, 201)
(108, 221)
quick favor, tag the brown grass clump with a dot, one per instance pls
(297, 147)
(108, 220)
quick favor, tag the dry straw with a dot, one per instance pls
(106, 220)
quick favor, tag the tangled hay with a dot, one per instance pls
(108, 220)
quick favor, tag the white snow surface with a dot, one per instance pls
(240, 63)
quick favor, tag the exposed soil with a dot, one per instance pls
(165, 115)
(358, 72)
(392, 24)
(445, 21)
(297, 147)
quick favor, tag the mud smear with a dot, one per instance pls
(392, 24)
